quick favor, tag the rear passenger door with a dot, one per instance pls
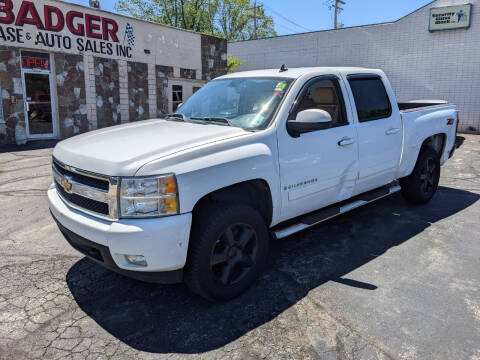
(379, 128)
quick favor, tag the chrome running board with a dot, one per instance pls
(327, 213)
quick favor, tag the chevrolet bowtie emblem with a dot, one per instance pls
(66, 184)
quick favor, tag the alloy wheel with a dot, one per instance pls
(234, 254)
(427, 176)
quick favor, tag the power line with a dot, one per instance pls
(286, 27)
(284, 18)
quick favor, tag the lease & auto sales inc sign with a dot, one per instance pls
(64, 28)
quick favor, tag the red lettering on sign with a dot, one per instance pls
(28, 8)
(92, 27)
(75, 30)
(49, 11)
(9, 17)
(34, 63)
(110, 28)
(78, 23)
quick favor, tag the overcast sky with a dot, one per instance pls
(293, 16)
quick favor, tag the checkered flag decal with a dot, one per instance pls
(130, 35)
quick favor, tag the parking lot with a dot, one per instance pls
(387, 281)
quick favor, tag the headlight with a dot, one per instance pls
(149, 196)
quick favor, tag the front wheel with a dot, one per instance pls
(228, 249)
(421, 185)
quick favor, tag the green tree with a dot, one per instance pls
(230, 19)
(233, 62)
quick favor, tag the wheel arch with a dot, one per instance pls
(437, 142)
(255, 193)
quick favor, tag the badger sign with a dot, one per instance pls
(48, 26)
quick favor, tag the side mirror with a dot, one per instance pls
(309, 120)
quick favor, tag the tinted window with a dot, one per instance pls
(371, 99)
(325, 95)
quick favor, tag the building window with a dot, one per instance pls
(195, 89)
(177, 96)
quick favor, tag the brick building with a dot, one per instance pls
(421, 62)
(66, 69)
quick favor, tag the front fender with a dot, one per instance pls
(204, 170)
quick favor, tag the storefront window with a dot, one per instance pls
(177, 96)
(37, 80)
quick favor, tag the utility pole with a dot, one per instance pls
(255, 18)
(333, 4)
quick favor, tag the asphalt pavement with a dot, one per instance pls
(386, 281)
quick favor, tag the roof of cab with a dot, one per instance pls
(295, 73)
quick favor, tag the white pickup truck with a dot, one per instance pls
(252, 156)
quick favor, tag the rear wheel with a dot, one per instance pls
(228, 249)
(421, 185)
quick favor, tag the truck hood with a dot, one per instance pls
(122, 150)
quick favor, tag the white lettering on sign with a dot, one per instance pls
(450, 17)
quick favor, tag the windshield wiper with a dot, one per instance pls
(213, 119)
(176, 116)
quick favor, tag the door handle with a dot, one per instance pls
(346, 141)
(392, 131)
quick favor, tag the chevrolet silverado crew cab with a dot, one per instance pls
(251, 157)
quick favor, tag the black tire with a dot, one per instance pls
(421, 185)
(228, 249)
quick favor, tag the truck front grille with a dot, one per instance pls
(83, 202)
(92, 193)
(87, 180)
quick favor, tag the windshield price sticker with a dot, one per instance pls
(280, 88)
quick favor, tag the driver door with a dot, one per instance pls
(320, 167)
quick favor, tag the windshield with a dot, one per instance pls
(249, 103)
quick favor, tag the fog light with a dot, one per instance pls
(138, 260)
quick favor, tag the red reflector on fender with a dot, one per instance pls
(450, 121)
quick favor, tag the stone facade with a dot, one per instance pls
(99, 82)
(12, 113)
(72, 104)
(106, 90)
(214, 57)
(138, 91)
(162, 74)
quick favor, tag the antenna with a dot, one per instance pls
(283, 68)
